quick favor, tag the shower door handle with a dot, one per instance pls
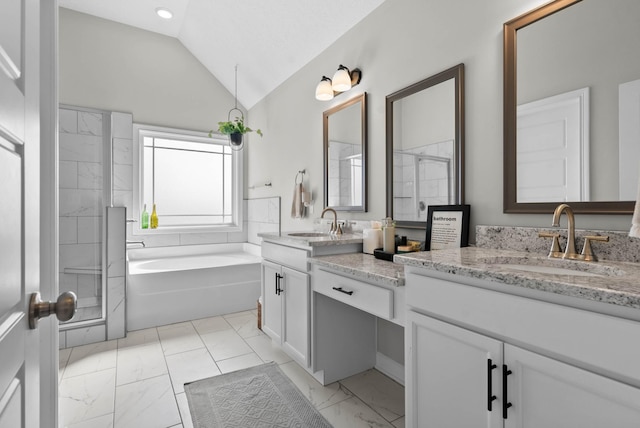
(64, 308)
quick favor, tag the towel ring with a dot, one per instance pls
(301, 178)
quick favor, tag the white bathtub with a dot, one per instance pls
(174, 284)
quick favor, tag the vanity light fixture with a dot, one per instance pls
(342, 81)
(164, 13)
(324, 90)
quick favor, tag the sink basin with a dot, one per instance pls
(307, 234)
(553, 266)
(547, 269)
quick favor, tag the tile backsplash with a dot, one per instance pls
(619, 248)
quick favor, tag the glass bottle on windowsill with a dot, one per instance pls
(154, 218)
(144, 220)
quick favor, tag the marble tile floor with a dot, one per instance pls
(138, 382)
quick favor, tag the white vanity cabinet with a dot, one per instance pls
(286, 300)
(479, 356)
(345, 308)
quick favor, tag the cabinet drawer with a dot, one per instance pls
(288, 256)
(368, 297)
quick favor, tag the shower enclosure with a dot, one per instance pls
(83, 141)
(92, 232)
(422, 176)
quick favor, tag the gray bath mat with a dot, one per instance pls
(260, 396)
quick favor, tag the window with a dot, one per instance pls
(195, 181)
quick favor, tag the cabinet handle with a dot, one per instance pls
(340, 289)
(505, 396)
(490, 396)
(278, 288)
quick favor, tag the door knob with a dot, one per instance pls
(64, 308)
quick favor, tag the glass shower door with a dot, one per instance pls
(82, 136)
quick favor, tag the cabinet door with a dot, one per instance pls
(548, 393)
(450, 377)
(295, 296)
(271, 301)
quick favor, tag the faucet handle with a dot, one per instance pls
(587, 252)
(555, 251)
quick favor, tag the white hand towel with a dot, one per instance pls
(297, 208)
(635, 221)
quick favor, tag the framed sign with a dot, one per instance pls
(447, 227)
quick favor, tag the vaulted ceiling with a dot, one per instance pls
(269, 40)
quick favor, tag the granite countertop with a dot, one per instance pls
(312, 241)
(617, 283)
(365, 267)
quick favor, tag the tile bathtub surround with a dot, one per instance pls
(620, 247)
(139, 380)
(263, 216)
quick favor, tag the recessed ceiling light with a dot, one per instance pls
(164, 13)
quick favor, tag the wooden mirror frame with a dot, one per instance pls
(510, 201)
(362, 99)
(457, 74)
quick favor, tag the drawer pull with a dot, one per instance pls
(340, 289)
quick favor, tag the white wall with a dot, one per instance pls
(400, 43)
(116, 67)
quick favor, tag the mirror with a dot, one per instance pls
(345, 155)
(572, 107)
(425, 146)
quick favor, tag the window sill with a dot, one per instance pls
(188, 229)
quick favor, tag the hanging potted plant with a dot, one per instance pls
(235, 129)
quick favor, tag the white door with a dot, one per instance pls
(272, 302)
(551, 394)
(629, 135)
(553, 148)
(452, 376)
(19, 211)
(295, 294)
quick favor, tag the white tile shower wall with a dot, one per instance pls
(340, 155)
(116, 271)
(432, 178)
(80, 201)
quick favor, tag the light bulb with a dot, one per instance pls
(164, 13)
(324, 91)
(341, 80)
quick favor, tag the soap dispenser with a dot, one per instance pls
(389, 236)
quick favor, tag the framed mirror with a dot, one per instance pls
(345, 155)
(425, 147)
(572, 107)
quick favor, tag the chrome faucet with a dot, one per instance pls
(336, 229)
(136, 242)
(570, 251)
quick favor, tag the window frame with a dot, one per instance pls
(140, 131)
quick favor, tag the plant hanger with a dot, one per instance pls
(235, 128)
(236, 140)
